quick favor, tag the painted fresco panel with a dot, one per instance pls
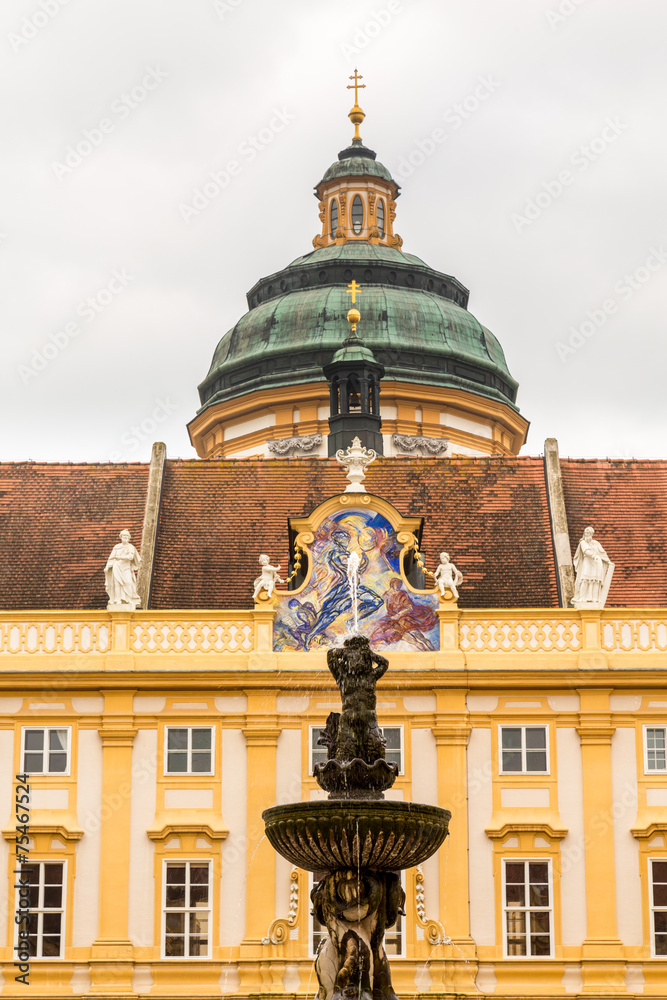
(389, 614)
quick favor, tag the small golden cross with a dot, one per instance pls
(356, 86)
(353, 289)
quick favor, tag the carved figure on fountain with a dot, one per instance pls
(356, 670)
(356, 748)
(356, 908)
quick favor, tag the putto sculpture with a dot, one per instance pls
(594, 571)
(356, 838)
(120, 578)
(447, 576)
(355, 460)
(268, 577)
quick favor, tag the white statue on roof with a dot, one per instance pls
(355, 461)
(268, 578)
(120, 578)
(447, 576)
(594, 571)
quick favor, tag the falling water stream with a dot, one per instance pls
(353, 561)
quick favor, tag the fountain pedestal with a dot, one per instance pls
(356, 840)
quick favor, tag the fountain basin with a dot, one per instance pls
(329, 835)
(355, 779)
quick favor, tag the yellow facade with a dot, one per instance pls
(119, 680)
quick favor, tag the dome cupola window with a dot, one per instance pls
(380, 218)
(353, 395)
(357, 215)
(334, 219)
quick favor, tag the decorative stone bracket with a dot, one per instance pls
(279, 929)
(434, 932)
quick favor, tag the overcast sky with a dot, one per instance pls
(544, 194)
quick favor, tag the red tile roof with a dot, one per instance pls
(216, 517)
(58, 524)
(626, 503)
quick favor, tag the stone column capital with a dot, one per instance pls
(452, 728)
(259, 733)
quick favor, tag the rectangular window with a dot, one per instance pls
(524, 750)
(658, 899)
(655, 749)
(46, 901)
(527, 910)
(394, 938)
(393, 751)
(188, 750)
(187, 909)
(45, 751)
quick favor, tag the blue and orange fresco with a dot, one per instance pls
(388, 612)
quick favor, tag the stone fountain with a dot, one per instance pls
(357, 841)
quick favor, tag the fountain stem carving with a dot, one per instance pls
(356, 909)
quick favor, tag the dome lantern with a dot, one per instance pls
(354, 389)
(357, 195)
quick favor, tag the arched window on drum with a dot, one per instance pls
(357, 215)
(380, 217)
(333, 219)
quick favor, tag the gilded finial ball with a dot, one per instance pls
(353, 316)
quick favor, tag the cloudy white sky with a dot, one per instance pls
(124, 301)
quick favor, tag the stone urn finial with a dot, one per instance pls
(355, 461)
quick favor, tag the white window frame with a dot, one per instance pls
(528, 909)
(40, 910)
(654, 909)
(400, 923)
(186, 909)
(400, 727)
(523, 728)
(647, 769)
(47, 729)
(188, 773)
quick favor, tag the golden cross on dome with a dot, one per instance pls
(353, 289)
(356, 86)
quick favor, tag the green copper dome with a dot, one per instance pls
(413, 319)
(357, 161)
